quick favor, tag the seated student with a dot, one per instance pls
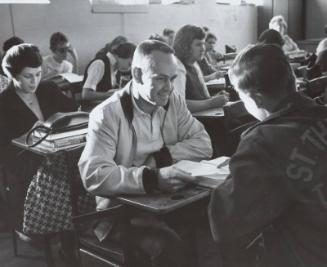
(134, 139)
(4, 80)
(57, 63)
(100, 74)
(279, 24)
(271, 36)
(190, 83)
(168, 35)
(211, 54)
(23, 103)
(276, 186)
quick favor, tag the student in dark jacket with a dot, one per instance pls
(22, 104)
(278, 181)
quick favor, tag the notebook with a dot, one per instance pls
(209, 173)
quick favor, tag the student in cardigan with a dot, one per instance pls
(22, 104)
(189, 48)
(276, 191)
(57, 62)
(134, 138)
(279, 24)
(100, 74)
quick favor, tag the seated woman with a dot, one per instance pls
(190, 83)
(279, 24)
(211, 54)
(168, 35)
(57, 63)
(100, 74)
(24, 102)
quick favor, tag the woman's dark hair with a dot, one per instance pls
(125, 50)
(210, 36)
(19, 57)
(11, 42)
(184, 38)
(109, 47)
(271, 36)
(57, 38)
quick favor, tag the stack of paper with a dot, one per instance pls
(209, 173)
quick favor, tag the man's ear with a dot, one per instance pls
(137, 74)
(257, 98)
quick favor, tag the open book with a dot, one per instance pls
(209, 173)
(72, 77)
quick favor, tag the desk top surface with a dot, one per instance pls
(164, 203)
(209, 113)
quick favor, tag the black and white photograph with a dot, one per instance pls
(163, 133)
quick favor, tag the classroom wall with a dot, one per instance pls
(316, 18)
(88, 32)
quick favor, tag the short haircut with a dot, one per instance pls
(184, 38)
(125, 50)
(167, 32)
(145, 48)
(56, 39)
(262, 68)
(11, 42)
(210, 36)
(271, 36)
(19, 57)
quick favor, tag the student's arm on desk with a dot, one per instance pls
(250, 198)
(90, 94)
(100, 173)
(216, 101)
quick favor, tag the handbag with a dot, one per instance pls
(48, 206)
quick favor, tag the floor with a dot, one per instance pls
(32, 257)
(29, 256)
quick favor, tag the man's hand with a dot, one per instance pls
(170, 179)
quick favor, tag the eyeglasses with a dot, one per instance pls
(63, 50)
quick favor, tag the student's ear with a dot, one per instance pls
(137, 74)
(257, 98)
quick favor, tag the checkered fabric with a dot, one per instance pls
(47, 206)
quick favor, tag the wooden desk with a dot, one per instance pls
(160, 204)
